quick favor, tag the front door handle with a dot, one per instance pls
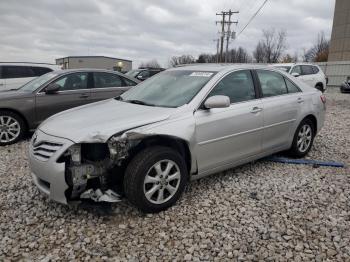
(84, 96)
(300, 100)
(256, 110)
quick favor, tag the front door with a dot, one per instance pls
(74, 91)
(227, 135)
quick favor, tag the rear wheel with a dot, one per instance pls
(12, 127)
(155, 179)
(303, 139)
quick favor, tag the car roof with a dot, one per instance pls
(62, 71)
(219, 67)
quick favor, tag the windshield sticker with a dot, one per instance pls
(202, 74)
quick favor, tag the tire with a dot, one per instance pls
(297, 150)
(12, 127)
(145, 165)
(320, 87)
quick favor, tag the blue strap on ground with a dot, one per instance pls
(304, 161)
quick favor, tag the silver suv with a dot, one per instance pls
(184, 123)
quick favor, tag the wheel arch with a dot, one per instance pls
(178, 144)
(313, 119)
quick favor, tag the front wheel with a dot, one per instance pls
(155, 179)
(12, 127)
(303, 139)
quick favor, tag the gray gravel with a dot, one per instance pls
(260, 211)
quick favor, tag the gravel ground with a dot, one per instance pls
(260, 211)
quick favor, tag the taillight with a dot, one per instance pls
(323, 99)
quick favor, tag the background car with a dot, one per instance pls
(185, 123)
(144, 72)
(26, 108)
(14, 75)
(308, 73)
(345, 87)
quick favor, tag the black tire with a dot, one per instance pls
(320, 87)
(21, 124)
(295, 150)
(136, 173)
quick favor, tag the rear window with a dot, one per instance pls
(17, 72)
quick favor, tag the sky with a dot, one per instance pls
(140, 30)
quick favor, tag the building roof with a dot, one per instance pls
(95, 56)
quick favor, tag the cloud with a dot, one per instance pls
(41, 31)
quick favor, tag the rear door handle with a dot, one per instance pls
(84, 96)
(300, 100)
(256, 110)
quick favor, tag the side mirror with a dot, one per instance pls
(217, 102)
(295, 74)
(52, 89)
(140, 77)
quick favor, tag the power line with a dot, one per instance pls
(251, 19)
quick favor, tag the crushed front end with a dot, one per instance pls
(78, 171)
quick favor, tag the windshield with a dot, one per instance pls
(284, 68)
(37, 82)
(169, 88)
(133, 73)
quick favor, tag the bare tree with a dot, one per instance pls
(271, 47)
(152, 63)
(319, 51)
(290, 59)
(180, 60)
(239, 55)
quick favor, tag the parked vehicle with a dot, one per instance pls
(308, 73)
(144, 73)
(184, 123)
(345, 87)
(24, 109)
(15, 75)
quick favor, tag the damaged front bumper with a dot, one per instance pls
(48, 174)
(67, 172)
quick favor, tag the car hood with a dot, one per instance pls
(99, 121)
(15, 94)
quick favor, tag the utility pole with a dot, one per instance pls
(217, 49)
(223, 22)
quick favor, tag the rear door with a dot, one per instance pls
(108, 85)
(227, 135)
(281, 108)
(74, 92)
(16, 76)
(308, 75)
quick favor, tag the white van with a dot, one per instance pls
(14, 75)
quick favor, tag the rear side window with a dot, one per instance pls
(104, 80)
(17, 72)
(39, 71)
(272, 83)
(292, 88)
(307, 70)
(315, 69)
(238, 86)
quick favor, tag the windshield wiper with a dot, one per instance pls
(138, 102)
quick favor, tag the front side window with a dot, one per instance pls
(128, 82)
(307, 70)
(168, 89)
(17, 72)
(272, 83)
(238, 86)
(74, 81)
(296, 69)
(105, 80)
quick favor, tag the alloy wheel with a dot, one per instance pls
(10, 129)
(162, 181)
(304, 138)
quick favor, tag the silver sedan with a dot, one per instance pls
(184, 123)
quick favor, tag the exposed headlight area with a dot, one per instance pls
(90, 167)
